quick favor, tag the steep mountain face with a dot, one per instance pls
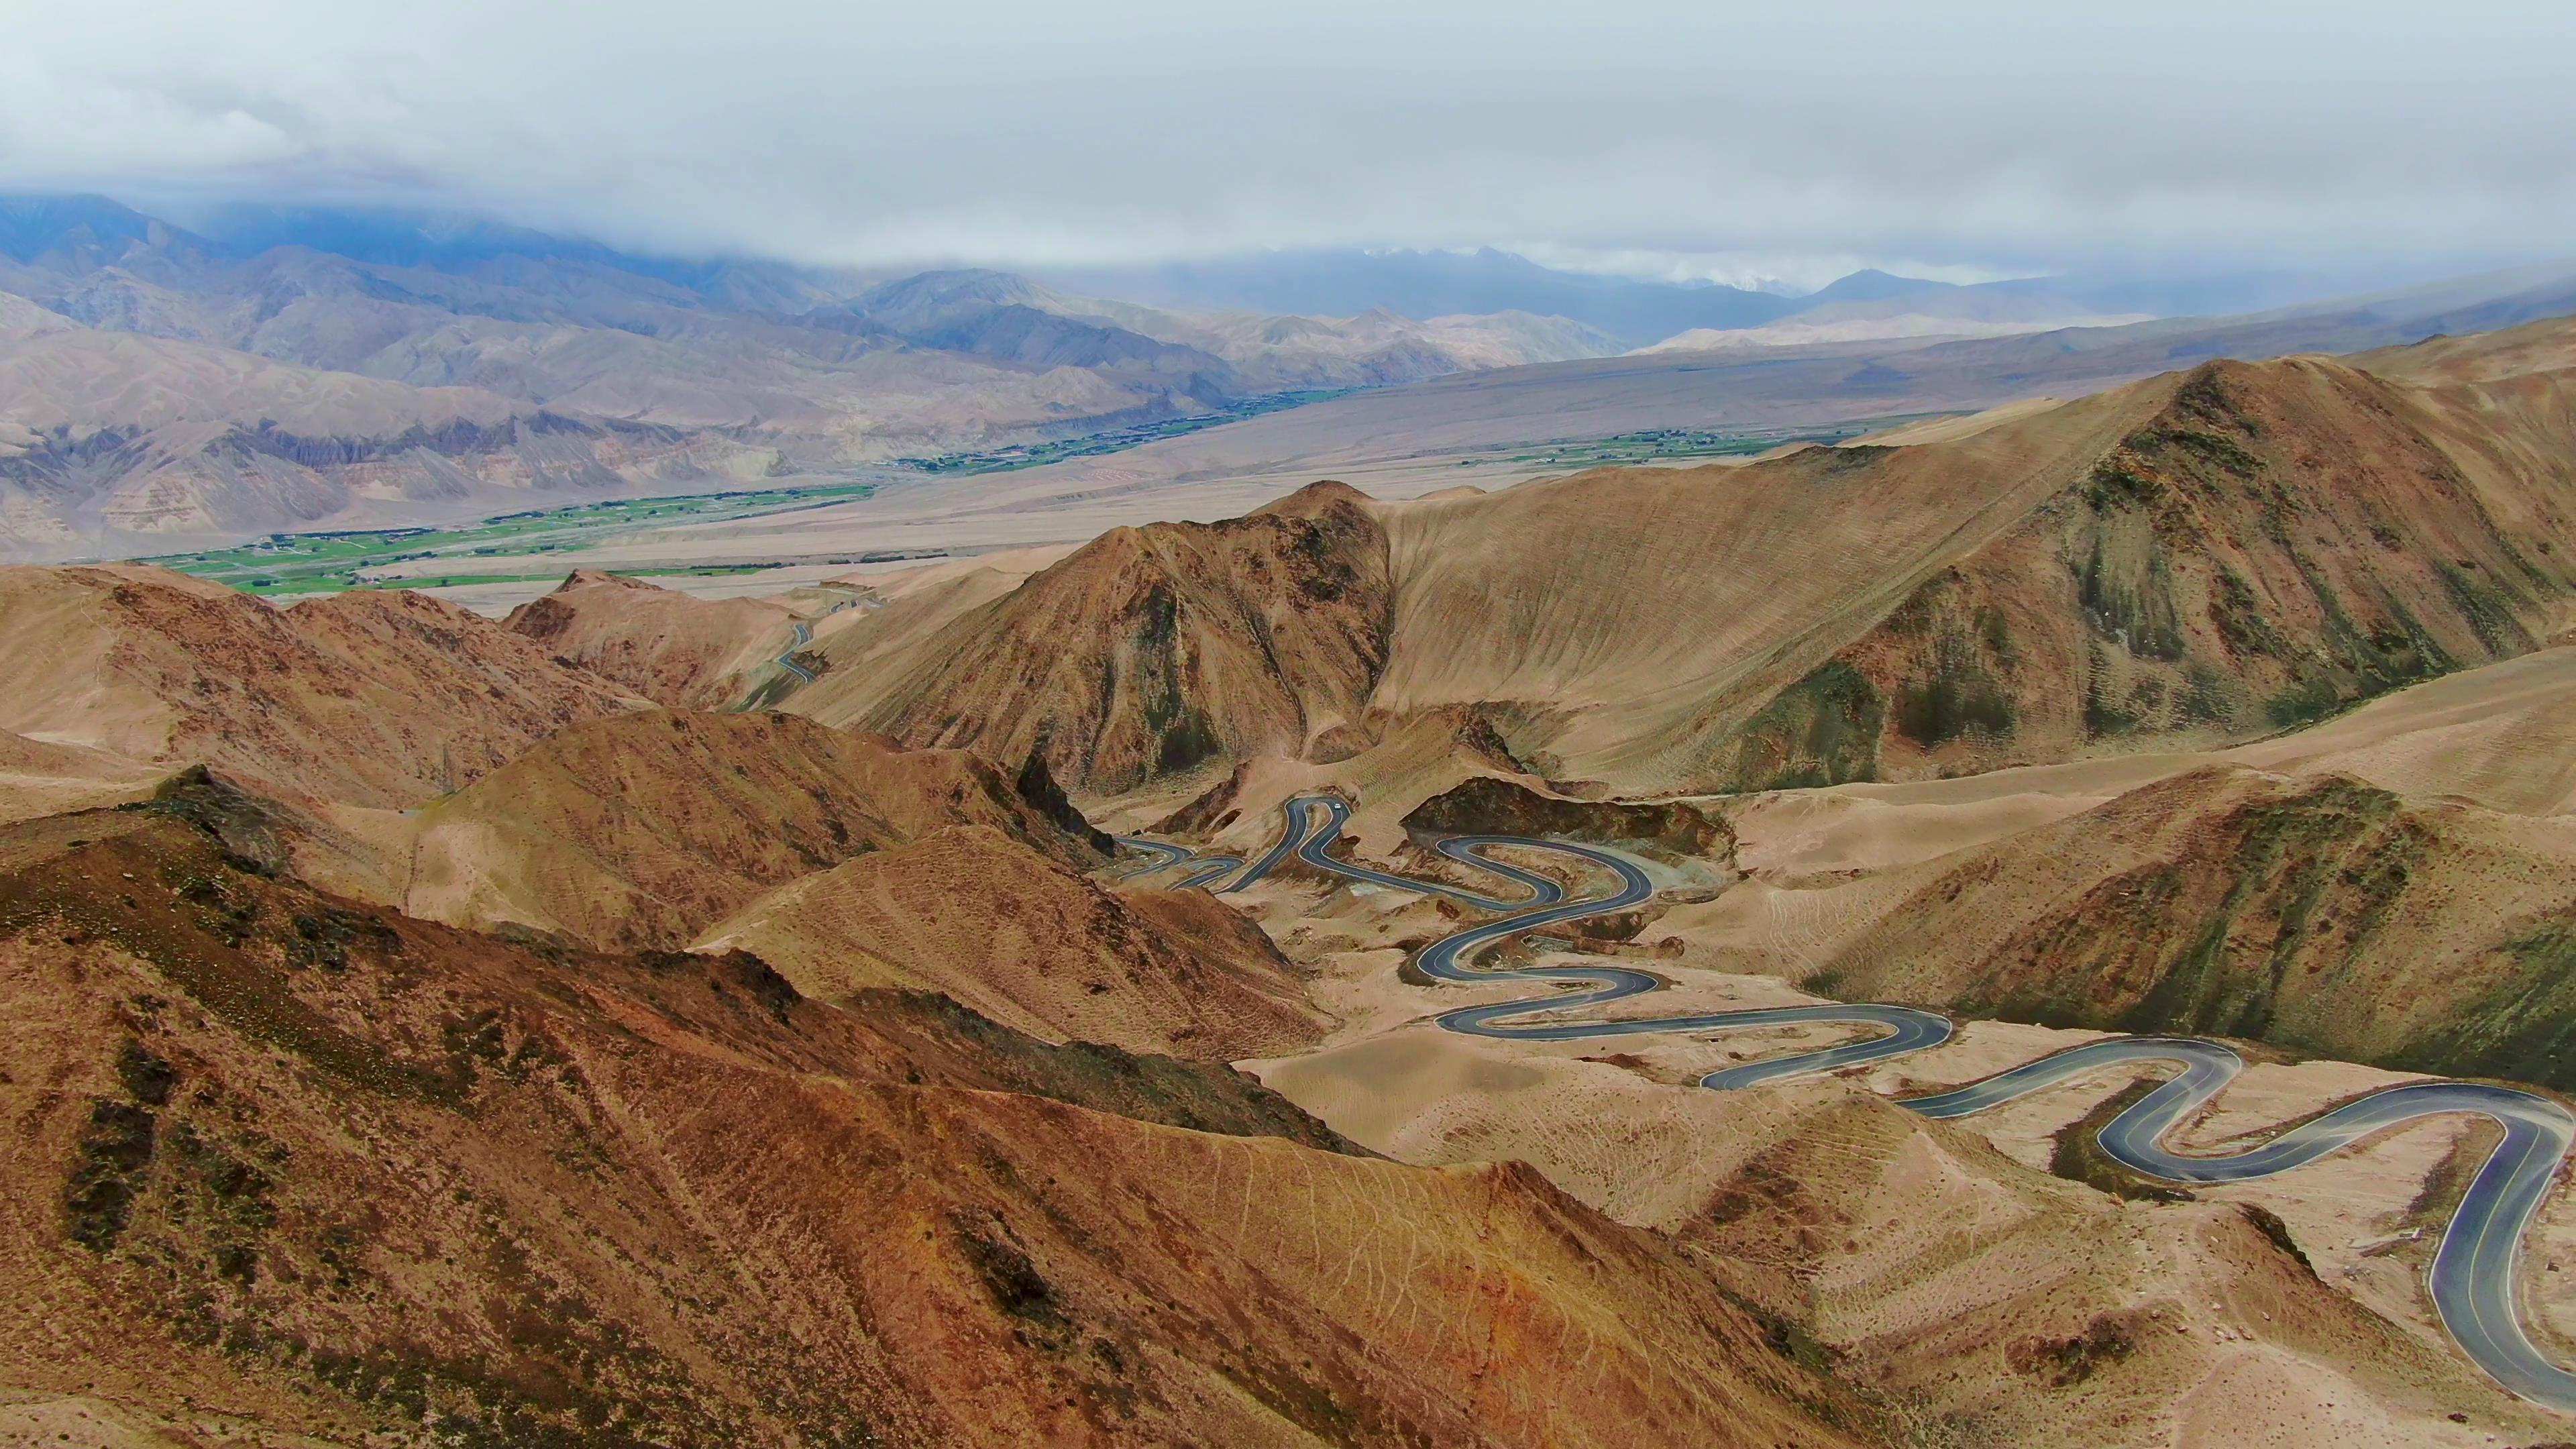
(1153, 650)
(2202, 556)
(295, 1167)
(2273, 544)
(379, 699)
(643, 831)
(673, 649)
(980, 917)
(2321, 913)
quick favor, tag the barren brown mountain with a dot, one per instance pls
(645, 830)
(374, 699)
(1152, 650)
(666, 646)
(2319, 912)
(977, 915)
(2199, 557)
(290, 1166)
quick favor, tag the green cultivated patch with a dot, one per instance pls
(289, 564)
(1117, 440)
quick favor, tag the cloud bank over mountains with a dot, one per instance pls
(1964, 140)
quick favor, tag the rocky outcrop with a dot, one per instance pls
(1488, 805)
(1153, 651)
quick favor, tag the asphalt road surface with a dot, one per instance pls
(2474, 1270)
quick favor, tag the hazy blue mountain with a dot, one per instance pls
(1347, 282)
(82, 230)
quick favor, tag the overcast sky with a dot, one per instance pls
(1791, 140)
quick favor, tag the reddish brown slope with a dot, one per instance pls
(685, 652)
(645, 830)
(320, 1170)
(977, 915)
(1154, 649)
(376, 698)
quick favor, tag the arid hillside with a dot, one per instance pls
(2320, 913)
(981, 917)
(1154, 650)
(644, 831)
(666, 646)
(374, 699)
(2275, 543)
(2006, 1305)
(2204, 556)
(2199, 558)
(2394, 886)
(291, 1166)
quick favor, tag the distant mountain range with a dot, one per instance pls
(1639, 313)
(268, 369)
(272, 369)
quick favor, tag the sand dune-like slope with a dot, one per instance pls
(374, 699)
(645, 830)
(1152, 650)
(1609, 609)
(979, 916)
(290, 1167)
(2503, 737)
(666, 646)
(41, 777)
(858, 652)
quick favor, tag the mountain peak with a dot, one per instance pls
(1872, 285)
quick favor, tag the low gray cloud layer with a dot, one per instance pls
(1972, 136)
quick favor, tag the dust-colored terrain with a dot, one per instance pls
(586, 1027)
(646, 830)
(379, 700)
(1152, 650)
(983, 918)
(297, 1167)
(2199, 558)
(1943, 1265)
(666, 646)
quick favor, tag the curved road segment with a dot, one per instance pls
(2473, 1271)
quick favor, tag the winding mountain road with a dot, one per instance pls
(801, 634)
(2474, 1270)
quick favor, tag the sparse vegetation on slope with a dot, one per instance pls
(2274, 544)
(1488, 805)
(2322, 914)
